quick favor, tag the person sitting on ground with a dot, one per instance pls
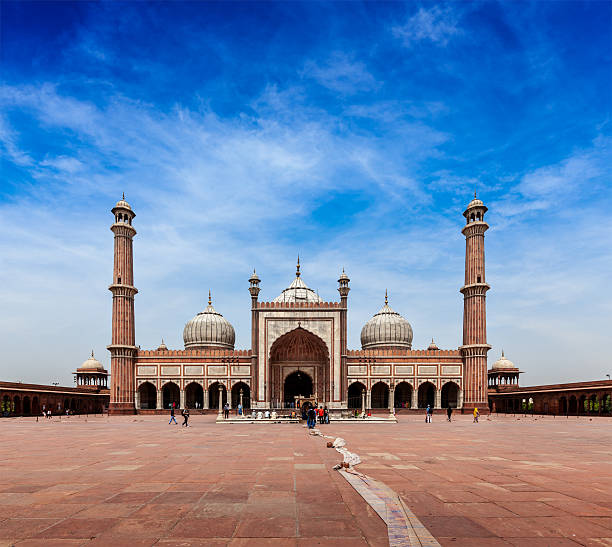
(267, 414)
(274, 415)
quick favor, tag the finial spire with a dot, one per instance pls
(123, 195)
(386, 298)
(474, 194)
(297, 273)
(209, 298)
(92, 353)
(503, 353)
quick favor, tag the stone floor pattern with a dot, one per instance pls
(139, 481)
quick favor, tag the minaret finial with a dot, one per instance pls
(503, 353)
(297, 273)
(386, 298)
(123, 196)
(474, 194)
(92, 353)
(209, 298)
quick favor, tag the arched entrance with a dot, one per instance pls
(35, 406)
(297, 358)
(148, 395)
(354, 395)
(297, 383)
(562, 405)
(403, 395)
(194, 395)
(573, 405)
(171, 394)
(450, 393)
(213, 395)
(27, 410)
(246, 395)
(380, 395)
(426, 395)
(17, 403)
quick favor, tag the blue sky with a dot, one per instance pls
(352, 133)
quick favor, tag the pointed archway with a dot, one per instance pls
(299, 351)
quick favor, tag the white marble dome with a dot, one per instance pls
(387, 329)
(503, 363)
(91, 365)
(209, 329)
(298, 291)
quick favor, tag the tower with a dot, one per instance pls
(474, 349)
(343, 289)
(254, 290)
(123, 349)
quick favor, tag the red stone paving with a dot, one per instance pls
(138, 481)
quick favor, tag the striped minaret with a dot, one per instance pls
(474, 349)
(123, 346)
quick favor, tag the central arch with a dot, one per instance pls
(294, 357)
(297, 383)
(426, 395)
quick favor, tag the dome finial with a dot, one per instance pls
(474, 194)
(297, 273)
(92, 353)
(503, 353)
(386, 298)
(209, 298)
(123, 195)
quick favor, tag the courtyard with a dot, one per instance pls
(508, 480)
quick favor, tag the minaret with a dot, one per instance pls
(474, 349)
(254, 290)
(343, 289)
(123, 346)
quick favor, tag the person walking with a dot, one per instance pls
(185, 413)
(172, 418)
(476, 415)
(449, 412)
(226, 410)
(428, 413)
(312, 418)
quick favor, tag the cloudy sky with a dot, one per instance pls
(352, 133)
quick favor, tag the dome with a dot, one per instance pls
(433, 346)
(503, 363)
(123, 204)
(162, 346)
(298, 291)
(91, 365)
(209, 329)
(386, 329)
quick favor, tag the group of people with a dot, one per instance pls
(313, 413)
(449, 413)
(184, 414)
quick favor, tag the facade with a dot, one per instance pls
(298, 347)
(507, 396)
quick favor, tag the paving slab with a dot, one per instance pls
(139, 481)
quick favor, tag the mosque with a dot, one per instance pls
(298, 347)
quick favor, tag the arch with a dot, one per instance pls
(593, 403)
(27, 408)
(450, 395)
(582, 404)
(426, 395)
(148, 395)
(296, 384)
(171, 394)
(299, 349)
(213, 395)
(607, 403)
(563, 405)
(380, 395)
(35, 406)
(6, 405)
(354, 394)
(246, 395)
(17, 405)
(573, 405)
(403, 395)
(72, 404)
(194, 393)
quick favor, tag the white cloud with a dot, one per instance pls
(437, 25)
(341, 73)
